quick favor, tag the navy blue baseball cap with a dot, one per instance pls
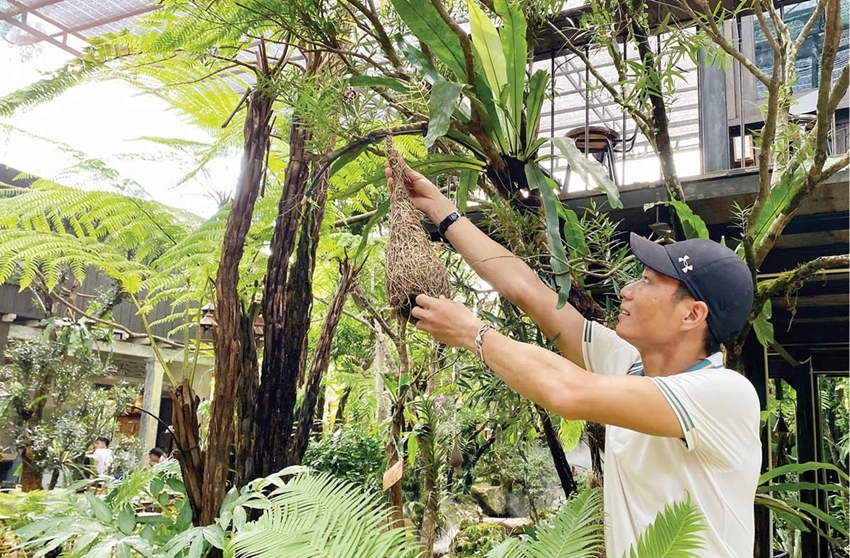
(711, 272)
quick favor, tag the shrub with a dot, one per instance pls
(350, 453)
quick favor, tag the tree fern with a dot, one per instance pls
(675, 533)
(317, 515)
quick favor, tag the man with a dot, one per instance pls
(679, 425)
(102, 455)
(155, 456)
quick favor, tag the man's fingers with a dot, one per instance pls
(424, 300)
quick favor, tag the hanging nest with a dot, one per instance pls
(412, 266)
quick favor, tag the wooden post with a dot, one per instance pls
(808, 442)
(754, 358)
(148, 425)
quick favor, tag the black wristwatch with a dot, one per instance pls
(448, 222)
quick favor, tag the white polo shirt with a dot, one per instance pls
(717, 463)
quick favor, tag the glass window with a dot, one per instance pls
(808, 58)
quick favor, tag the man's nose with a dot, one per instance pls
(626, 291)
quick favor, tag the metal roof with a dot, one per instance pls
(67, 24)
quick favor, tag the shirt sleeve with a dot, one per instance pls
(605, 352)
(718, 410)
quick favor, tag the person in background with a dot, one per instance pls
(102, 455)
(155, 456)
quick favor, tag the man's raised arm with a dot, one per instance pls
(504, 271)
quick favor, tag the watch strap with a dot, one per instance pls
(447, 222)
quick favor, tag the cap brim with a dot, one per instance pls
(652, 255)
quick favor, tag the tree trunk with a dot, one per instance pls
(392, 454)
(663, 146)
(321, 358)
(184, 421)
(30, 478)
(562, 466)
(228, 335)
(249, 378)
(285, 339)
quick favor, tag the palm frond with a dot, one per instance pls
(317, 515)
(675, 533)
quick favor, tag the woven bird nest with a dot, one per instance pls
(412, 266)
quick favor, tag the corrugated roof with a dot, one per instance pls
(67, 24)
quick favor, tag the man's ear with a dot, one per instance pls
(698, 314)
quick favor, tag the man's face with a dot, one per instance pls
(650, 314)
(153, 460)
(98, 444)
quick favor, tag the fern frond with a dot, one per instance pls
(675, 533)
(509, 548)
(577, 530)
(322, 516)
(44, 253)
(50, 87)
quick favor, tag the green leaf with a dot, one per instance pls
(558, 261)
(675, 532)
(797, 468)
(122, 550)
(416, 58)
(126, 519)
(441, 105)
(214, 535)
(591, 171)
(692, 224)
(412, 450)
(515, 49)
(534, 104)
(798, 486)
(425, 23)
(157, 484)
(347, 157)
(576, 531)
(487, 49)
(468, 181)
(101, 510)
(176, 485)
(380, 212)
(778, 199)
(819, 514)
(184, 518)
(147, 534)
(379, 81)
(491, 118)
(196, 549)
(762, 325)
(438, 163)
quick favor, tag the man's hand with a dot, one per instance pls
(426, 197)
(447, 321)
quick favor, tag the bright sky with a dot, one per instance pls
(103, 120)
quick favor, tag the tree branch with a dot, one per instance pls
(708, 25)
(813, 181)
(807, 27)
(786, 280)
(380, 33)
(131, 334)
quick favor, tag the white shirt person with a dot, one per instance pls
(678, 424)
